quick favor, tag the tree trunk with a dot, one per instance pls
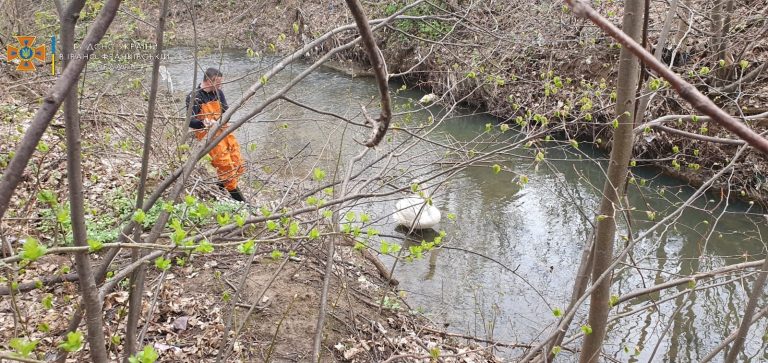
(137, 278)
(716, 28)
(621, 152)
(746, 320)
(88, 289)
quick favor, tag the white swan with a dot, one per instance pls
(414, 212)
(427, 99)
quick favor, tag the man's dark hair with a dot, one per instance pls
(212, 73)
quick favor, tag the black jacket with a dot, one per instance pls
(202, 97)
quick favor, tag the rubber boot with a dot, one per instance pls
(236, 195)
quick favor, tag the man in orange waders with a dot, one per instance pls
(209, 104)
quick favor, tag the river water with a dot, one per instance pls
(536, 230)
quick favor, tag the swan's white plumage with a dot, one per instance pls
(408, 209)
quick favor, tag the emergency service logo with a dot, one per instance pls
(25, 53)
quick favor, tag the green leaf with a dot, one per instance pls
(204, 247)
(43, 327)
(743, 64)
(202, 211)
(223, 218)
(488, 127)
(318, 174)
(496, 168)
(293, 229)
(384, 249)
(365, 218)
(73, 343)
(296, 28)
(613, 301)
(271, 225)
(62, 215)
(615, 123)
(23, 347)
(314, 233)
(32, 250)
(522, 180)
(651, 215)
(264, 79)
(451, 216)
(247, 247)
(148, 355)
(327, 213)
(557, 312)
(655, 84)
(178, 236)
(47, 301)
(265, 211)
(394, 248)
(239, 220)
(434, 353)
(139, 216)
(162, 263)
(276, 255)
(416, 252)
(539, 156)
(703, 71)
(586, 329)
(48, 197)
(189, 200)
(42, 147)
(676, 165)
(312, 200)
(94, 245)
(556, 350)
(504, 128)
(558, 82)
(575, 144)
(359, 246)
(414, 187)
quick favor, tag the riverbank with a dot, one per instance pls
(534, 75)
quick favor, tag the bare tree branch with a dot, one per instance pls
(381, 124)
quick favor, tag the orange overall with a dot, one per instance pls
(225, 156)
